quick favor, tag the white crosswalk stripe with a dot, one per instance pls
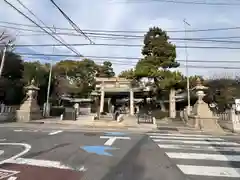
(201, 155)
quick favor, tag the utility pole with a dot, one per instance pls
(186, 53)
(3, 57)
(47, 108)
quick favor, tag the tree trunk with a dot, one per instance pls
(162, 105)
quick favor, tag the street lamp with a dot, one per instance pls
(9, 44)
(186, 53)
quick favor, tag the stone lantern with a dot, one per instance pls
(29, 110)
(199, 88)
(201, 116)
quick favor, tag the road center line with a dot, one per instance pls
(55, 132)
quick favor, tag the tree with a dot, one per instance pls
(222, 91)
(79, 74)
(159, 56)
(10, 81)
(128, 74)
(40, 73)
(105, 70)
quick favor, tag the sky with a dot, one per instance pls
(130, 15)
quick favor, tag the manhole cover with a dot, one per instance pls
(90, 134)
(167, 129)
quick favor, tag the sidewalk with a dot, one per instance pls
(180, 127)
(53, 123)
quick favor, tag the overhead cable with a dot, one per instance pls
(124, 45)
(75, 26)
(53, 29)
(20, 12)
(185, 2)
(128, 31)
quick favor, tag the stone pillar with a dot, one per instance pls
(109, 105)
(172, 104)
(102, 101)
(131, 102)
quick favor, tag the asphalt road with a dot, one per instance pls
(55, 154)
(59, 155)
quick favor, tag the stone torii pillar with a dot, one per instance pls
(131, 102)
(172, 103)
(102, 100)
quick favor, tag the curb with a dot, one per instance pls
(76, 128)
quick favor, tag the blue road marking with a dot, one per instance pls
(114, 134)
(99, 150)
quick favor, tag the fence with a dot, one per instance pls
(8, 113)
(229, 119)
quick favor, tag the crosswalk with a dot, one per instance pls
(201, 155)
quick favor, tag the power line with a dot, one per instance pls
(45, 26)
(119, 58)
(129, 31)
(16, 9)
(186, 2)
(132, 37)
(124, 45)
(128, 37)
(71, 22)
(51, 29)
(214, 39)
(134, 63)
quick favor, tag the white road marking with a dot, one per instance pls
(12, 178)
(44, 163)
(202, 148)
(7, 173)
(197, 142)
(112, 139)
(18, 130)
(199, 156)
(210, 171)
(187, 138)
(55, 132)
(26, 146)
(27, 130)
(179, 135)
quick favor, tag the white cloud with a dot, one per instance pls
(110, 15)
